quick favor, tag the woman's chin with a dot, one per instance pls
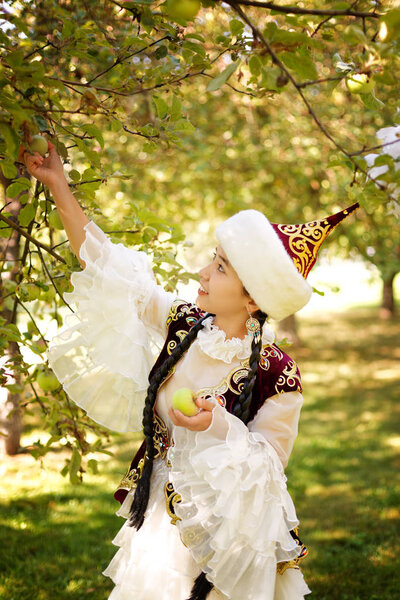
(201, 302)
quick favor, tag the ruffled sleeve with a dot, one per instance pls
(236, 512)
(278, 421)
(104, 355)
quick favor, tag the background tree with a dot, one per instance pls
(167, 124)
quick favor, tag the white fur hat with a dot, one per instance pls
(273, 260)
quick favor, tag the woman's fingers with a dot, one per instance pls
(204, 404)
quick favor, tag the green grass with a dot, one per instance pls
(56, 538)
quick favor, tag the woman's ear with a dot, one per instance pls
(252, 306)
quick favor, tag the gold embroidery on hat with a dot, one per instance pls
(304, 242)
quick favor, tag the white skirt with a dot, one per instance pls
(152, 563)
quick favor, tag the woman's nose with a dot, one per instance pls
(204, 272)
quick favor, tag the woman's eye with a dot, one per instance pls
(220, 267)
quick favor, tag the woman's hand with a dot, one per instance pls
(198, 422)
(48, 170)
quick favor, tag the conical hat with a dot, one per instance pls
(273, 260)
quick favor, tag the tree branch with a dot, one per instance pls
(22, 231)
(258, 35)
(296, 10)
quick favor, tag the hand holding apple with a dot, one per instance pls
(48, 170)
(184, 400)
(198, 422)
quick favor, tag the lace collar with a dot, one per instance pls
(212, 341)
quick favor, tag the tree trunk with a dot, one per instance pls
(287, 328)
(10, 412)
(387, 308)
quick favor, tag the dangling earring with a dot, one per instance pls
(253, 327)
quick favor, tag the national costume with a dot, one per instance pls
(219, 503)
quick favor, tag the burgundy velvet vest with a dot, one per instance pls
(277, 373)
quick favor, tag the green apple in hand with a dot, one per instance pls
(39, 144)
(183, 400)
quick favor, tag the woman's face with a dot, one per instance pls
(221, 291)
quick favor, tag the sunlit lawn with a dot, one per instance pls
(56, 538)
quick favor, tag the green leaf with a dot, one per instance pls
(371, 101)
(176, 108)
(223, 77)
(161, 107)
(318, 292)
(236, 26)
(26, 214)
(95, 131)
(15, 58)
(74, 466)
(183, 125)
(93, 466)
(9, 135)
(74, 175)
(196, 36)
(255, 65)
(161, 52)
(198, 48)
(8, 332)
(68, 28)
(16, 188)
(9, 169)
(301, 64)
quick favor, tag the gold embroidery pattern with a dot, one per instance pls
(269, 352)
(162, 442)
(174, 314)
(294, 563)
(161, 437)
(234, 382)
(304, 241)
(171, 498)
(131, 477)
(289, 377)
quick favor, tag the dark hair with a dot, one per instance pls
(142, 492)
(241, 409)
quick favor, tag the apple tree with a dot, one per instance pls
(129, 93)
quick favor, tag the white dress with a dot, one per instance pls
(235, 513)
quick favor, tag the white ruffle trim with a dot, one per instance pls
(212, 340)
(103, 358)
(236, 510)
(154, 563)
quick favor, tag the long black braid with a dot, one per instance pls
(142, 492)
(241, 409)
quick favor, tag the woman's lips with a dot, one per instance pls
(202, 291)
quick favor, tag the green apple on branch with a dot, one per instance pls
(47, 380)
(182, 9)
(183, 400)
(360, 83)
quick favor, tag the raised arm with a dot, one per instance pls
(50, 171)
(104, 355)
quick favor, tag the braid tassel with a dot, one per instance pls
(201, 588)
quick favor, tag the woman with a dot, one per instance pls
(207, 510)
